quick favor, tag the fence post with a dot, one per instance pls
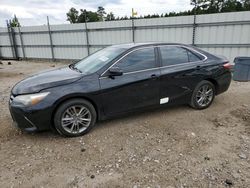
(50, 38)
(194, 31)
(86, 31)
(14, 42)
(133, 30)
(194, 25)
(21, 40)
(11, 40)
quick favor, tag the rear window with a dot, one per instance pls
(192, 57)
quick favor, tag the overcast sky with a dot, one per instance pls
(34, 12)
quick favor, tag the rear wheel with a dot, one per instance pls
(75, 117)
(203, 95)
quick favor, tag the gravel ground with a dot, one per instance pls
(168, 147)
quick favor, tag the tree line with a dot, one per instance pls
(200, 7)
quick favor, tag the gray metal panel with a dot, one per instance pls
(225, 34)
(70, 53)
(6, 52)
(109, 37)
(65, 37)
(179, 35)
(36, 39)
(38, 52)
(4, 38)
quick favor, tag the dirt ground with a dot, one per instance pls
(168, 147)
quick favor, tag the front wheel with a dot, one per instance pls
(75, 117)
(203, 95)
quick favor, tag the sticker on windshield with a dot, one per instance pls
(103, 58)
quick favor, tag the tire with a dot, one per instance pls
(207, 96)
(75, 117)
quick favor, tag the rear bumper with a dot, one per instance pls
(30, 120)
(224, 82)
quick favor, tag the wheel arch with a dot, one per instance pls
(70, 97)
(215, 83)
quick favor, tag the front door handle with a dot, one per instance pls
(198, 67)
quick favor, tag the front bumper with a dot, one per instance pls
(30, 119)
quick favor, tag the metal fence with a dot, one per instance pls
(227, 34)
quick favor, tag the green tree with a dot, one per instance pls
(246, 5)
(73, 15)
(101, 13)
(123, 18)
(14, 22)
(217, 6)
(90, 16)
(202, 7)
(232, 6)
(110, 16)
(209, 6)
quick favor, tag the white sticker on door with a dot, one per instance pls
(164, 100)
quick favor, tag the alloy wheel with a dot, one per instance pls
(76, 119)
(204, 95)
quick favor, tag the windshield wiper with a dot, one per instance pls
(72, 66)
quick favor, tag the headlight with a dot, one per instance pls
(31, 99)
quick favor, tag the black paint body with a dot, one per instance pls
(120, 94)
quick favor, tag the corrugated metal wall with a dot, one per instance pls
(227, 34)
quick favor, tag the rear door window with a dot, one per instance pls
(173, 55)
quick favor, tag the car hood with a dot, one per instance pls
(47, 79)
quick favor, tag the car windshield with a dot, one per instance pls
(97, 60)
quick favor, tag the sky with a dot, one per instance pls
(34, 12)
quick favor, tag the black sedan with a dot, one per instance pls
(117, 80)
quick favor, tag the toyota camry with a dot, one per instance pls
(116, 80)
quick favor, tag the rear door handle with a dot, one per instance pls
(154, 76)
(198, 67)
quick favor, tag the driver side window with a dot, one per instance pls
(138, 60)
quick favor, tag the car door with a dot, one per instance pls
(178, 73)
(137, 87)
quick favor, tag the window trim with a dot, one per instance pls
(158, 59)
(183, 47)
(156, 64)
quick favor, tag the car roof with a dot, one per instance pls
(134, 45)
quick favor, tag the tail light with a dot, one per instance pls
(228, 65)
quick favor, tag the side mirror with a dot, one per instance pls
(115, 71)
